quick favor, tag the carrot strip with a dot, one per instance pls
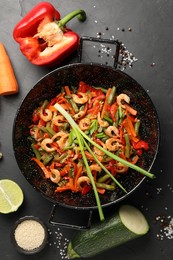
(42, 166)
(8, 82)
(131, 110)
(135, 159)
(67, 90)
(101, 190)
(79, 171)
(52, 108)
(69, 186)
(105, 103)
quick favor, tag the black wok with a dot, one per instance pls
(47, 88)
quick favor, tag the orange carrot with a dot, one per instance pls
(8, 82)
(136, 158)
(131, 110)
(78, 174)
(42, 166)
(67, 90)
(105, 103)
(101, 190)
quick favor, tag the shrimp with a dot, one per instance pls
(81, 98)
(112, 131)
(95, 167)
(101, 122)
(122, 97)
(79, 115)
(76, 149)
(97, 151)
(62, 139)
(45, 143)
(82, 179)
(84, 123)
(55, 175)
(58, 120)
(112, 144)
(48, 115)
(121, 168)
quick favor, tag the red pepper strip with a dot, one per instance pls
(100, 97)
(94, 110)
(41, 123)
(37, 44)
(85, 189)
(42, 166)
(141, 145)
(113, 110)
(65, 170)
(82, 87)
(36, 115)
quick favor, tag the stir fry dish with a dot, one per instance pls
(86, 137)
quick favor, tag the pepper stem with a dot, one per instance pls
(81, 15)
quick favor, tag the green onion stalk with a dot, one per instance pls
(81, 136)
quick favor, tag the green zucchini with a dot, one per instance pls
(127, 224)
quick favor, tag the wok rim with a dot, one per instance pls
(149, 168)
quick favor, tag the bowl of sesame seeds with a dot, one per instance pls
(29, 235)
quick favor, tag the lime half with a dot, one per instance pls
(11, 196)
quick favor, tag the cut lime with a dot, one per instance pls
(11, 196)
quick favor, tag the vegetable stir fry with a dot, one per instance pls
(98, 143)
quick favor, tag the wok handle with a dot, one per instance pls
(68, 225)
(99, 40)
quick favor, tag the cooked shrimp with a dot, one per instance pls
(48, 115)
(81, 180)
(112, 131)
(76, 149)
(101, 122)
(45, 145)
(58, 120)
(79, 115)
(95, 167)
(122, 97)
(81, 98)
(97, 151)
(84, 123)
(121, 168)
(62, 138)
(112, 144)
(55, 175)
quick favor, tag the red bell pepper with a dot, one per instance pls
(43, 37)
(141, 145)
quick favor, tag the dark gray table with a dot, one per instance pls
(145, 28)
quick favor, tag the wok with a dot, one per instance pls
(47, 88)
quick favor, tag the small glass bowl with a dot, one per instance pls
(24, 226)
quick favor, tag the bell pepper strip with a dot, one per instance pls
(141, 145)
(43, 38)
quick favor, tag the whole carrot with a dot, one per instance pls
(8, 82)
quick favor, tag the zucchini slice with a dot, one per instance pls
(127, 224)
